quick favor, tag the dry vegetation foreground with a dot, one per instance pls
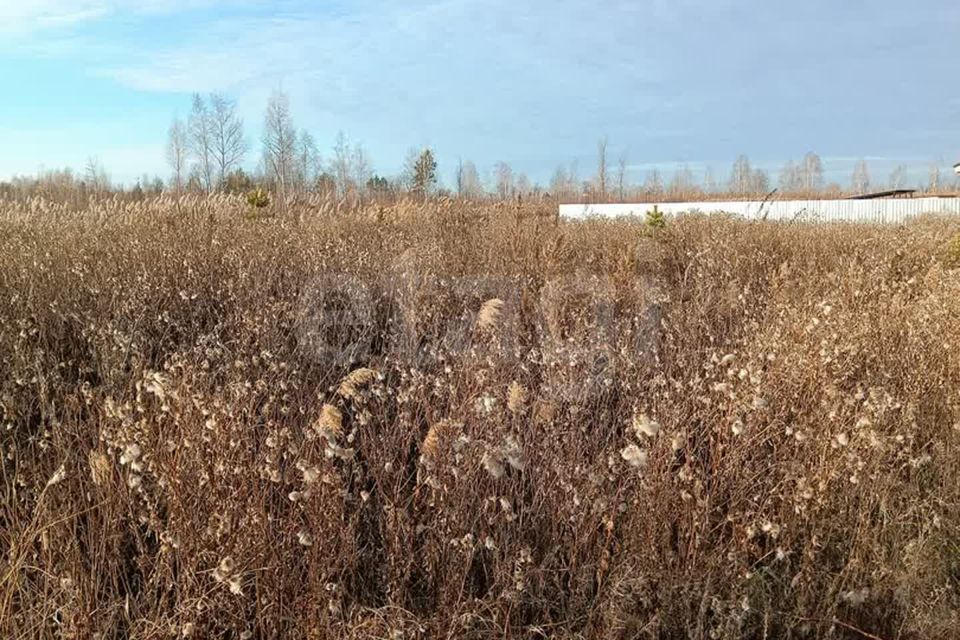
(470, 421)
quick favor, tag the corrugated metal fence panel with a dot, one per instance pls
(894, 210)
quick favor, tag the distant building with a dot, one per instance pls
(892, 193)
(956, 168)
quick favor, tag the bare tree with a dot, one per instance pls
(560, 184)
(177, 152)
(811, 172)
(621, 174)
(279, 142)
(709, 181)
(349, 165)
(789, 180)
(602, 168)
(470, 180)
(898, 176)
(564, 183)
(523, 184)
(933, 185)
(228, 144)
(653, 184)
(682, 183)
(96, 176)
(860, 181)
(741, 177)
(200, 125)
(503, 180)
(360, 166)
(409, 170)
(307, 160)
(760, 182)
(340, 163)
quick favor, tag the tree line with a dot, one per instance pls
(797, 179)
(209, 151)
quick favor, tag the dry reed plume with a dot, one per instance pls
(449, 420)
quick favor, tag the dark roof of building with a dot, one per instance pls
(892, 193)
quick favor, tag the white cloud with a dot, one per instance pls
(18, 17)
(529, 83)
(30, 17)
(456, 74)
(456, 62)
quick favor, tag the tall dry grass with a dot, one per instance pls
(450, 421)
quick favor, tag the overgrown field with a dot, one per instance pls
(474, 421)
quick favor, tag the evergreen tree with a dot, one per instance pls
(424, 173)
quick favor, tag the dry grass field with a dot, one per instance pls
(453, 420)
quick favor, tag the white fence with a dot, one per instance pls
(892, 210)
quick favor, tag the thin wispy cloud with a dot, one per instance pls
(472, 41)
(29, 17)
(536, 83)
(37, 16)
(430, 70)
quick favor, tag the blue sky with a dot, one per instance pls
(534, 84)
